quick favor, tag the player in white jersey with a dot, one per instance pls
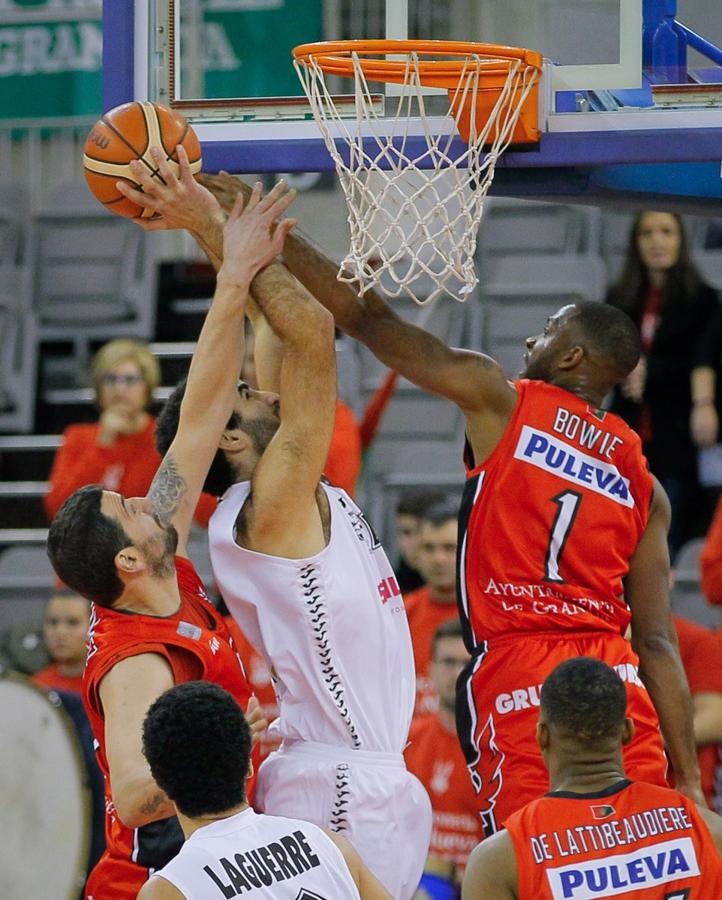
(307, 581)
(198, 747)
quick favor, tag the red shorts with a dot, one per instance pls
(498, 708)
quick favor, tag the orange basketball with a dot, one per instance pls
(128, 132)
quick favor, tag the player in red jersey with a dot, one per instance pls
(596, 834)
(563, 530)
(152, 625)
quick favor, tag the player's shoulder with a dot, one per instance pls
(491, 864)
(159, 888)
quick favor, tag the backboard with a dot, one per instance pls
(627, 98)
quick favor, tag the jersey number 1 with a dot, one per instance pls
(567, 505)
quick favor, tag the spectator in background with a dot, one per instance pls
(670, 398)
(435, 603)
(710, 561)
(409, 510)
(118, 451)
(65, 629)
(435, 757)
(343, 464)
(701, 653)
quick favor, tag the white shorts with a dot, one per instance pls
(370, 798)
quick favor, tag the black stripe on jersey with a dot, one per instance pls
(465, 509)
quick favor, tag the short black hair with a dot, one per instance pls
(585, 699)
(220, 475)
(414, 502)
(82, 545)
(198, 744)
(610, 334)
(439, 514)
(449, 629)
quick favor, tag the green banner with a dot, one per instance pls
(50, 58)
(242, 48)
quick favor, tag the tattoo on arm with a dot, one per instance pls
(154, 804)
(167, 490)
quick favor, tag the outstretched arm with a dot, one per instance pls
(249, 244)
(299, 333)
(655, 641)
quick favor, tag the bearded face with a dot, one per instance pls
(161, 562)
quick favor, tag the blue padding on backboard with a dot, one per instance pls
(684, 179)
(598, 148)
(307, 155)
(118, 47)
(685, 187)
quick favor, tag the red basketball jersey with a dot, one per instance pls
(549, 522)
(636, 841)
(197, 645)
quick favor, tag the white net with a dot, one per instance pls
(414, 213)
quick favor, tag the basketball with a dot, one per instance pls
(129, 132)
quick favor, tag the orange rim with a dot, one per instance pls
(336, 57)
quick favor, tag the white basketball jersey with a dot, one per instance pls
(260, 856)
(332, 627)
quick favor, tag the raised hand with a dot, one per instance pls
(179, 203)
(251, 238)
(225, 188)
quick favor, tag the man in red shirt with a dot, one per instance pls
(701, 654)
(434, 603)
(596, 834)
(65, 629)
(434, 756)
(152, 626)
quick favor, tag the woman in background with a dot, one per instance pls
(118, 451)
(670, 398)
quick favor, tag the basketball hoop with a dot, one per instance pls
(415, 205)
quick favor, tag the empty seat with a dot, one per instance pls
(687, 598)
(26, 566)
(580, 275)
(709, 263)
(93, 274)
(523, 227)
(18, 364)
(14, 225)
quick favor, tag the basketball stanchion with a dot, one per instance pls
(414, 206)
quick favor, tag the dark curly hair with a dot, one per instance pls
(585, 699)
(198, 745)
(610, 333)
(220, 475)
(82, 545)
